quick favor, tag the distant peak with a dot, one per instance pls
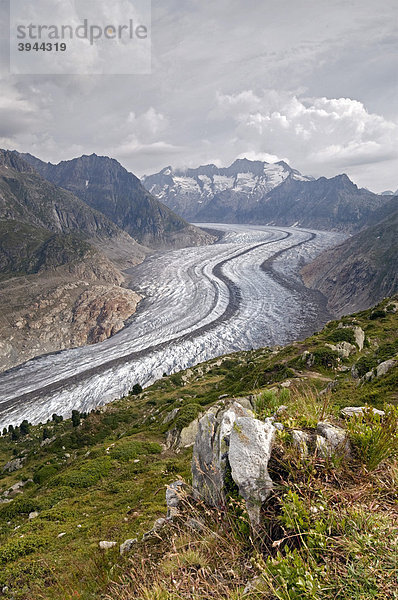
(167, 170)
(284, 164)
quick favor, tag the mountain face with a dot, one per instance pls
(208, 191)
(361, 271)
(104, 185)
(28, 198)
(60, 278)
(262, 193)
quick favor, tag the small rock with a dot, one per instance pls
(33, 514)
(158, 524)
(105, 545)
(196, 525)
(173, 498)
(255, 585)
(281, 409)
(354, 372)
(61, 534)
(350, 411)
(331, 440)
(279, 426)
(385, 366)
(301, 439)
(308, 358)
(170, 416)
(331, 387)
(223, 396)
(47, 441)
(13, 465)
(286, 384)
(127, 545)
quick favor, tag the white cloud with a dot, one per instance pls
(311, 131)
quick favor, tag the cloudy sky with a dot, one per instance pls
(313, 82)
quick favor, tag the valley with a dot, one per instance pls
(243, 292)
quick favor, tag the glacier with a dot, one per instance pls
(199, 303)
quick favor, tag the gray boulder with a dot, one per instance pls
(207, 480)
(351, 411)
(384, 367)
(14, 465)
(174, 493)
(331, 440)
(126, 547)
(301, 440)
(359, 335)
(157, 526)
(210, 453)
(170, 416)
(249, 452)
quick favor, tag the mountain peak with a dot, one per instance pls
(10, 159)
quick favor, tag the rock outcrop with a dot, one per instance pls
(232, 443)
(250, 448)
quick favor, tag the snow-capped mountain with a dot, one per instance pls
(189, 192)
(262, 193)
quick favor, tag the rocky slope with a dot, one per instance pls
(258, 192)
(282, 483)
(60, 263)
(361, 271)
(103, 184)
(74, 305)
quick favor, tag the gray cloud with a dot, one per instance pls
(310, 81)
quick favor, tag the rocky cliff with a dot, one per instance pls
(361, 271)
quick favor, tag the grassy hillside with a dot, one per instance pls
(330, 527)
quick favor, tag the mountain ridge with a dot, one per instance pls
(264, 193)
(106, 186)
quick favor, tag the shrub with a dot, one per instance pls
(266, 403)
(19, 506)
(377, 314)
(375, 438)
(132, 449)
(325, 357)
(20, 547)
(44, 473)
(365, 364)
(75, 418)
(345, 334)
(186, 415)
(24, 427)
(89, 474)
(137, 389)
